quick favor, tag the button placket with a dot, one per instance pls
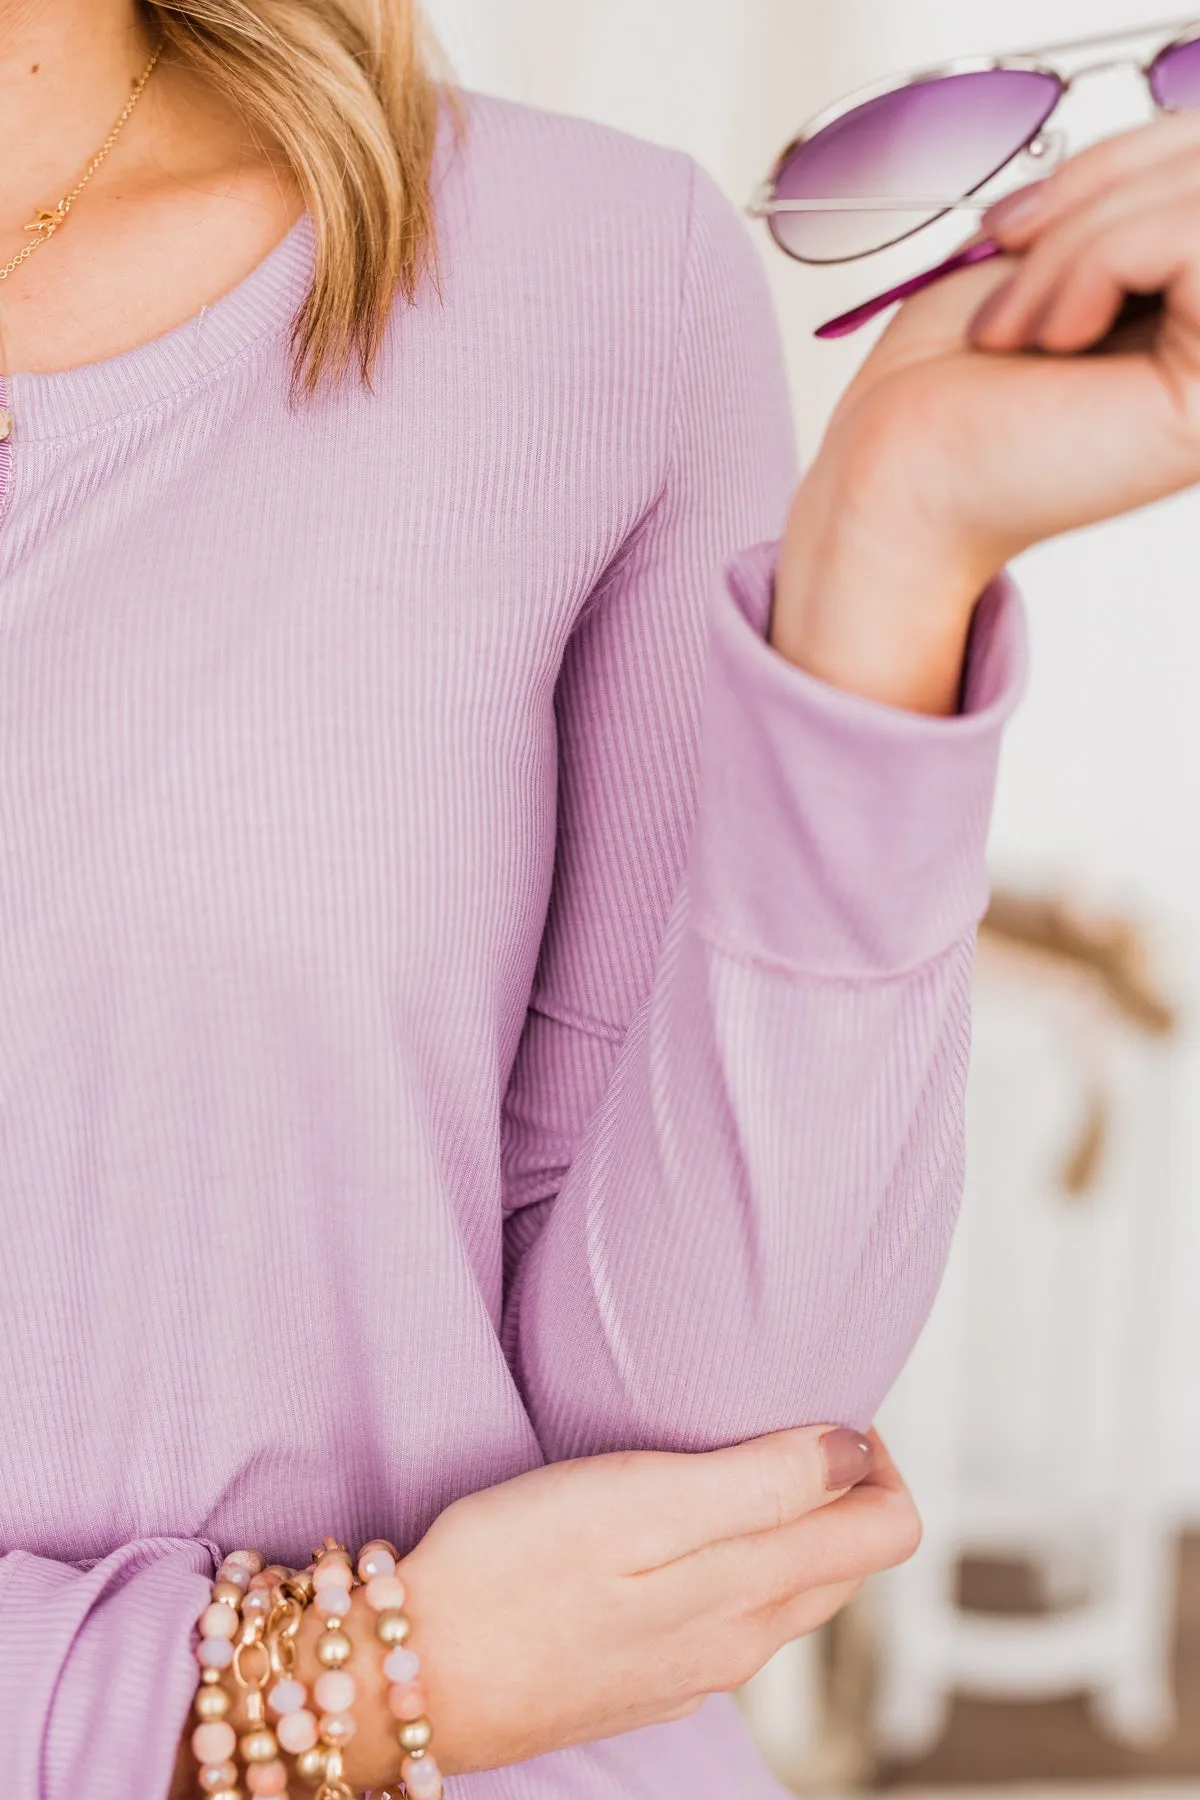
(6, 449)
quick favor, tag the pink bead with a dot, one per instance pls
(214, 1653)
(263, 1580)
(257, 1602)
(218, 1778)
(332, 1574)
(376, 1562)
(407, 1700)
(287, 1697)
(335, 1691)
(267, 1778)
(297, 1731)
(338, 1728)
(385, 1593)
(218, 1621)
(214, 1742)
(333, 1602)
(254, 1560)
(401, 1665)
(236, 1573)
(422, 1777)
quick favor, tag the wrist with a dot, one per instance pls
(307, 1678)
(871, 596)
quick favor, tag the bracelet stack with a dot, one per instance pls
(247, 1649)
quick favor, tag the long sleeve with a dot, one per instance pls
(733, 1135)
(101, 1668)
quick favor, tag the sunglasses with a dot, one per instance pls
(890, 161)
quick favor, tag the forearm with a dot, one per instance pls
(867, 608)
(754, 1242)
(753, 1228)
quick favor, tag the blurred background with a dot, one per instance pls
(1049, 1631)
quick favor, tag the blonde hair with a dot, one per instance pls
(346, 89)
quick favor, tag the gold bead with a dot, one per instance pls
(212, 1703)
(259, 1746)
(334, 1764)
(210, 1677)
(332, 1551)
(380, 1544)
(392, 1628)
(227, 1794)
(310, 1764)
(333, 1649)
(229, 1592)
(416, 1734)
(300, 1586)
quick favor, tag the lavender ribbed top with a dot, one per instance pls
(464, 997)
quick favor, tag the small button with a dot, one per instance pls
(6, 425)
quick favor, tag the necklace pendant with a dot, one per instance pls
(48, 220)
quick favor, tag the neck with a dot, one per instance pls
(65, 72)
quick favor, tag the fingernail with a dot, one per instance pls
(990, 311)
(849, 1456)
(1015, 209)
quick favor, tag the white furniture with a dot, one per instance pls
(1028, 1423)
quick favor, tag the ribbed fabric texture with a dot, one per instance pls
(465, 998)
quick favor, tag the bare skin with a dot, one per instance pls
(949, 454)
(184, 207)
(943, 463)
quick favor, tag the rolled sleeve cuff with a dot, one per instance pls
(834, 835)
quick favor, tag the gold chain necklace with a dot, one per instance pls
(51, 217)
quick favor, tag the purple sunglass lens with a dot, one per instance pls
(942, 138)
(1175, 77)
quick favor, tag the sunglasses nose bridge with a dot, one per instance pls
(1112, 65)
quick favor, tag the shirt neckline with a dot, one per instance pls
(264, 302)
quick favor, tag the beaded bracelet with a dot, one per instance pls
(214, 1740)
(407, 1703)
(249, 1629)
(266, 1773)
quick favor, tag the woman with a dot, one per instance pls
(486, 912)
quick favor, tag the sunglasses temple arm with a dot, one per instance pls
(862, 315)
(767, 209)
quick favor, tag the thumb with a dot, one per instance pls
(933, 324)
(692, 1501)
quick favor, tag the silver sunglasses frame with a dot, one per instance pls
(764, 206)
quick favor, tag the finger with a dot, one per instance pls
(685, 1503)
(1144, 256)
(807, 1613)
(750, 1643)
(1150, 204)
(1019, 218)
(874, 1527)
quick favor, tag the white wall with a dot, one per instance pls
(1101, 786)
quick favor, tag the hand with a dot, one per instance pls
(955, 449)
(593, 1597)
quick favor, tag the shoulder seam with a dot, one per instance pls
(685, 270)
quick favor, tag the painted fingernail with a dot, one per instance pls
(990, 311)
(849, 1456)
(1015, 209)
